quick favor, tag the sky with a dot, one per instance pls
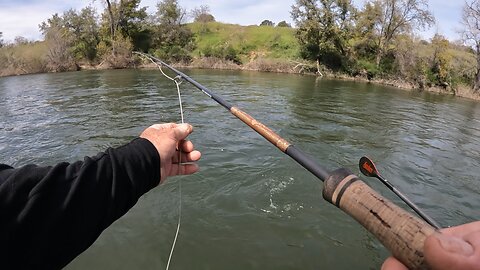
(22, 17)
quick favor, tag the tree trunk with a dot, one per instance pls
(381, 45)
(318, 67)
(112, 21)
(112, 25)
(378, 58)
(379, 55)
(476, 84)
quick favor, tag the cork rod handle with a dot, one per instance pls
(398, 230)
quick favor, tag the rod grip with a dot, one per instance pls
(261, 129)
(398, 230)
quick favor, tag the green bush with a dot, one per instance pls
(368, 67)
(225, 52)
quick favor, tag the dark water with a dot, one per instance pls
(251, 207)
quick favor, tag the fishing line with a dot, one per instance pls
(177, 80)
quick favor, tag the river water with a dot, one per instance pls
(251, 206)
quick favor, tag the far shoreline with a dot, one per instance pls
(288, 67)
(462, 91)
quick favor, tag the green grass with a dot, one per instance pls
(248, 41)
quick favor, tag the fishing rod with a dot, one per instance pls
(368, 168)
(398, 230)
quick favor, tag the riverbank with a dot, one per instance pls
(463, 91)
(280, 66)
(309, 69)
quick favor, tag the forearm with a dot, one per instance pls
(49, 215)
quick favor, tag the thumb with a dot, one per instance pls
(182, 131)
(446, 252)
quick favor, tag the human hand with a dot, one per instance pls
(454, 248)
(167, 139)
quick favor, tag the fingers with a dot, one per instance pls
(186, 146)
(188, 169)
(169, 140)
(393, 264)
(187, 157)
(463, 229)
(473, 239)
(454, 248)
(443, 251)
(184, 169)
(177, 132)
(181, 131)
(165, 126)
(188, 154)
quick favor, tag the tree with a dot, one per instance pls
(74, 34)
(112, 25)
(172, 38)
(284, 24)
(59, 40)
(366, 34)
(84, 29)
(126, 18)
(324, 28)
(384, 20)
(471, 34)
(267, 23)
(408, 62)
(441, 61)
(202, 14)
(112, 21)
(131, 23)
(123, 29)
(20, 40)
(169, 12)
(1, 40)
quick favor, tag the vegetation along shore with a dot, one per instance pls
(376, 42)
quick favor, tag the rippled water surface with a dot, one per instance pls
(251, 207)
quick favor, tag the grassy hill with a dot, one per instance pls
(246, 42)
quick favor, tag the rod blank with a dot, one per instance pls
(398, 230)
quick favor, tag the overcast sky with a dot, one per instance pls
(22, 17)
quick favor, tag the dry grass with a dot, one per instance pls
(258, 64)
(274, 65)
(467, 92)
(213, 63)
(23, 59)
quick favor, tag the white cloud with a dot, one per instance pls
(22, 21)
(22, 18)
(246, 12)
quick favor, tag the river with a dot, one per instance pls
(250, 206)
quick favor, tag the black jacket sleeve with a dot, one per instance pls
(49, 215)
